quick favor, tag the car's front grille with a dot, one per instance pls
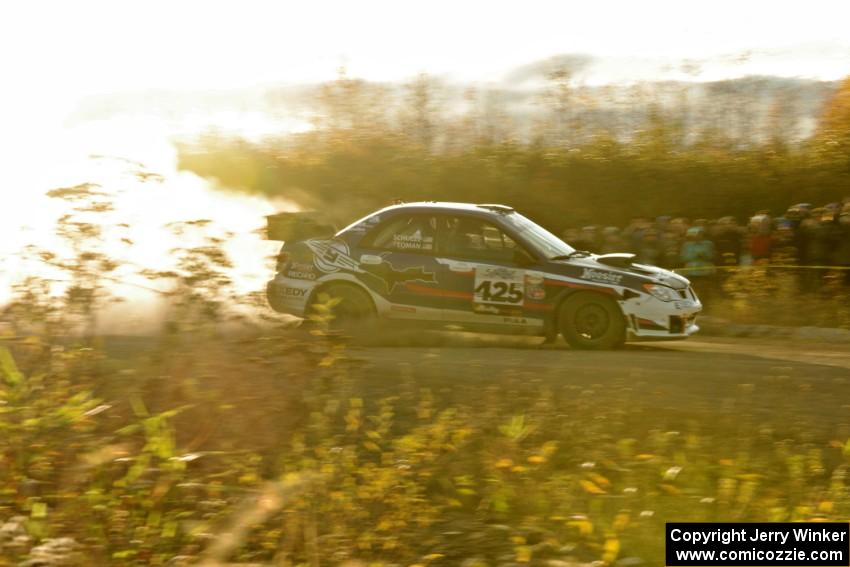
(677, 325)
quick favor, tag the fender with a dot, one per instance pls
(562, 296)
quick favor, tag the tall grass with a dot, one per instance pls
(275, 448)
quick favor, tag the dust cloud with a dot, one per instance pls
(131, 163)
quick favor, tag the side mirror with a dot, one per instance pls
(523, 258)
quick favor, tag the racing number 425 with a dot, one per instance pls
(499, 291)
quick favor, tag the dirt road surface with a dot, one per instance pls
(808, 382)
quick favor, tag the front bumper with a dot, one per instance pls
(649, 318)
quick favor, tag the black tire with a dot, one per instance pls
(592, 321)
(354, 309)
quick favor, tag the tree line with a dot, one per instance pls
(569, 162)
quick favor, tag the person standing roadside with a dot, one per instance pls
(761, 239)
(611, 240)
(842, 249)
(698, 258)
(728, 244)
(820, 238)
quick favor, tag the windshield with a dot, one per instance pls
(538, 237)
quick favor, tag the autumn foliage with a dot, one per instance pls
(571, 164)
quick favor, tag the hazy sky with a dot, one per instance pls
(53, 54)
(84, 46)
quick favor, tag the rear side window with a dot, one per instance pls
(475, 239)
(407, 233)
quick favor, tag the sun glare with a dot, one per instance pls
(133, 162)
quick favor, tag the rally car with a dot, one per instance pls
(482, 268)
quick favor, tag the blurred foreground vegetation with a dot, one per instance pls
(278, 448)
(213, 442)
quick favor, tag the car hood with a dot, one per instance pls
(622, 264)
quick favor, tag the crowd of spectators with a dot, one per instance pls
(808, 236)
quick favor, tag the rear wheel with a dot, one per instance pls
(592, 321)
(347, 307)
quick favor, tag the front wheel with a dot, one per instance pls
(592, 321)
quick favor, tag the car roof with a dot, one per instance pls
(485, 210)
(443, 206)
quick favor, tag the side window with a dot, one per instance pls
(408, 233)
(475, 239)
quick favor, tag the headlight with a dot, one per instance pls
(661, 292)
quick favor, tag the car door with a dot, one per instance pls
(397, 259)
(484, 284)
